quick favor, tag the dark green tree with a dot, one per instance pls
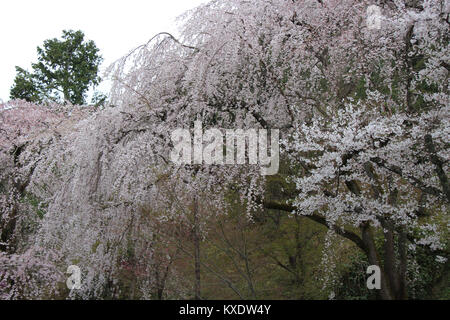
(25, 87)
(65, 70)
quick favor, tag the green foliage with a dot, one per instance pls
(65, 69)
(352, 281)
(25, 87)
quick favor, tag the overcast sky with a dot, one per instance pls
(116, 26)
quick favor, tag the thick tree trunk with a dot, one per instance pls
(390, 258)
(402, 290)
(367, 237)
(196, 252)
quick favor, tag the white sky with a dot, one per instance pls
(116, 26)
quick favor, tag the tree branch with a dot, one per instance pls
(319, 219)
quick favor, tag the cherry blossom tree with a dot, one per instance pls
(319, 63)
(363, 114)
(379, 175)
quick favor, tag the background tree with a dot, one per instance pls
(65, 69)
(25, 86)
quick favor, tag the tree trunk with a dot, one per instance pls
(367, 237)
(402, 292)
(196, 252)
(390, 258)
